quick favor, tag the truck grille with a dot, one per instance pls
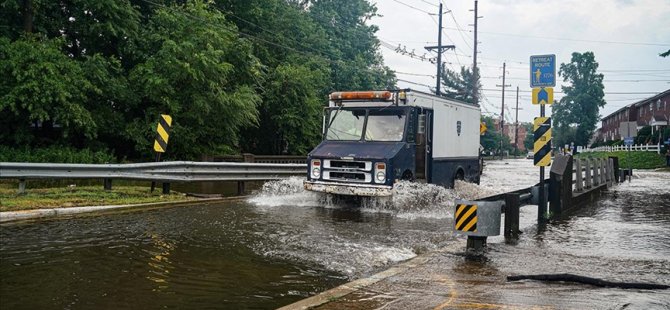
(347, 171)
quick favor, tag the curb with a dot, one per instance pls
(356, 285)
(11, 216)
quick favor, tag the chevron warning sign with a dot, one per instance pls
(542, 95)
(542, 141)
(163, 133)
(466, 218)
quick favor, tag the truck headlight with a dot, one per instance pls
(381, 176)
(380, 172)
(316, 168)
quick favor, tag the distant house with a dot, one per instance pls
(509, 131)
(653, 111)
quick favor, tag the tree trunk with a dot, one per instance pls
(28, 12)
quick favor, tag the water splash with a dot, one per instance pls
(409, 199)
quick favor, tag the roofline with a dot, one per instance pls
(659, 95)
(637, 104)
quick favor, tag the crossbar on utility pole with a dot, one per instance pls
(439, 47)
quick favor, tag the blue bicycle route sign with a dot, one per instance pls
(542, 71)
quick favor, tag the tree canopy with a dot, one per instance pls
(98, 73)
(464, 85)
(576, 115)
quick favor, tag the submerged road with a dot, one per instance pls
(284, 244)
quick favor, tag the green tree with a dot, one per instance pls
(355, 60)
(576, 115)
(530, 139)
(295, 75)
(43, 93)
(195, 67)
(463, 85)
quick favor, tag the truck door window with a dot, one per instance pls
(385, 125)
(346, 125)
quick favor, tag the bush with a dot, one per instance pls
(635, 159)
(55, 154)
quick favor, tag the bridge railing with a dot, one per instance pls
(589, 173)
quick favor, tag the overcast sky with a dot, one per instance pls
(626, 37)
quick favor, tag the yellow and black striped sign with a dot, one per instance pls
(466, 218)
(163, 133)
(542, 141)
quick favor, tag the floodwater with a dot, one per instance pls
(284, 244)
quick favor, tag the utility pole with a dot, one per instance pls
(439, 47)
(475, 94)
(516, 124)
(502, 111)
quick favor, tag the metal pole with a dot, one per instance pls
(542, 205)
(475, 96)
(516, 124)
(502, 115)
(630, 170)
(439, 51)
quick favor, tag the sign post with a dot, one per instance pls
(160, 145)
(542, 80)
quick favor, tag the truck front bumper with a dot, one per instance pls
(349, 189)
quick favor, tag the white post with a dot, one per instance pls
(596, 177)
(579, 183)
(587, 165)
(603, 171)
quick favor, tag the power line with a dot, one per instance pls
(426, 2)
(606, 93)
(569, 39)
(413, 7)
(414, 74)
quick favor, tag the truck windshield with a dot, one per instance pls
(385, 126)
(346, 125)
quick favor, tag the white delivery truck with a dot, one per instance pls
(373, 139)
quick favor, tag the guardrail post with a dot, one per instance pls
(22, 186)
(587, 171)
(107, 184)
(512, 203)
(615, 168)
(560, 182)
(240, 188)
(603, 172)
(248, 158)
(610, 171)
(166, 188)
(596, 176)
(579, 183)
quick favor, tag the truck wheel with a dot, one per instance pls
(460, 175)
(407, 175)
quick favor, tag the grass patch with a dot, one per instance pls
(633, 159)
(78, 196)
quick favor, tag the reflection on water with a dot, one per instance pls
(284, 244)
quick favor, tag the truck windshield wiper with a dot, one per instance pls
(334, 116)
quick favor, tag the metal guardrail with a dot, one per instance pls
(175, 171)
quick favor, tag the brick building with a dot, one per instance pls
(653, 111)
(509, 131)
